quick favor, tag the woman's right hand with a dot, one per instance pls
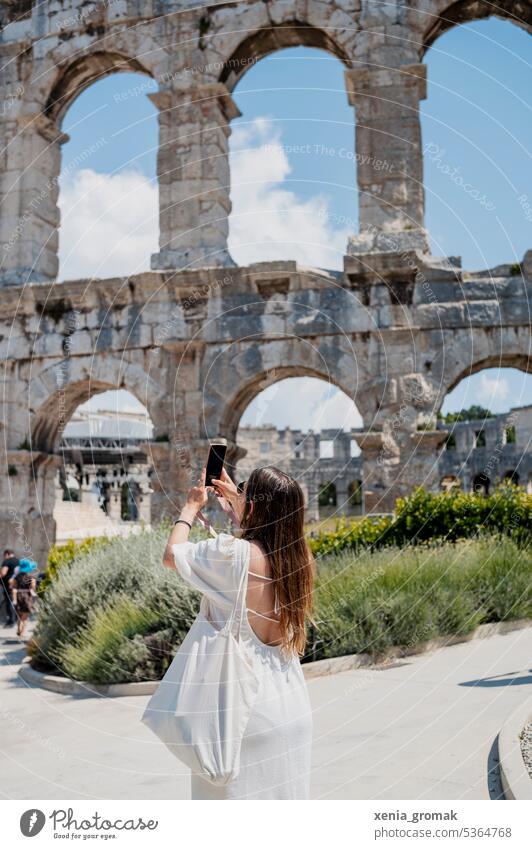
(226, 488)
(227, 492)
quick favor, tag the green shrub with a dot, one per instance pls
(403, 597)
(115, 614)
(61, 555)
(426, 516)
(78, 600)
(103, 650)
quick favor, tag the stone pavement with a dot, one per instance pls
(424, 728)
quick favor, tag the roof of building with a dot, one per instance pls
(109, 427)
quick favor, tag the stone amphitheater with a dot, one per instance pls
(196, 338)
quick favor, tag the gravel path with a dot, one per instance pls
(526, 747)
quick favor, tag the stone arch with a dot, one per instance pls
(513, 350)
(75, 76)
(55, 393)
(252, 386)
(327, 494)
(355, 493)
(445, 15)
(262, 42)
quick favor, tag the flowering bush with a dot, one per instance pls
(61, 555)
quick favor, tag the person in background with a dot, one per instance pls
(23, 586)
(7, 572)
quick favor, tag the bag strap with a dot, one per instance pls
(241, 562)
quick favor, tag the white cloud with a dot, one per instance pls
(303, 403)
(492, 390)
(269, 221)
(497, 389)
(109, 224)
(335, 409)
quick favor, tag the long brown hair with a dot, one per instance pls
(274, 516)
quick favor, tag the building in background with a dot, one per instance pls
(327, 464)
(480, 453)
(103, 485)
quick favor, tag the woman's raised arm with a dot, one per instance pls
(196, 499)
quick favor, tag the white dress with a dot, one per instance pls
(276, 748)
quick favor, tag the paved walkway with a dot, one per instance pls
(425, 728)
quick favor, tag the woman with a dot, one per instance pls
(275, 753)
(23, 593)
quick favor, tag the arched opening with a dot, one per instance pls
(488, 416)
(293, 184)
(103, 482)
(262, 42)
(108, 192)
(465, 11)
(327, 497)
(511, 477)
(481, 484)
(354, 493)
(306, 427)
(474, 110)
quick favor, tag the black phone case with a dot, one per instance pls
(215, 463)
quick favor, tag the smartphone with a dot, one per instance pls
(215, 463)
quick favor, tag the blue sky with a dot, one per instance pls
(476, 125)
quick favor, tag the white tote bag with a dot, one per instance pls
(202, 706)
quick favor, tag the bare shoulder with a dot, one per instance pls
(258, 562)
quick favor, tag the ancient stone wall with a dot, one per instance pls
(196, 338)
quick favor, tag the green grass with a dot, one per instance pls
(402, 597)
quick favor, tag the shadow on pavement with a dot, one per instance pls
(507, 679)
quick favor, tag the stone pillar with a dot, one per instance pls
(380, 459)
(115, 503)
(389, 156)
(313, 508)
(27, 500)
(170, 477)
(193, 173)
(342, 497)
(29, 222)
(144, 505)
(423, 466)
(396, 461)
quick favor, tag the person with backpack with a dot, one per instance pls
(7, 572)
(23, 587)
